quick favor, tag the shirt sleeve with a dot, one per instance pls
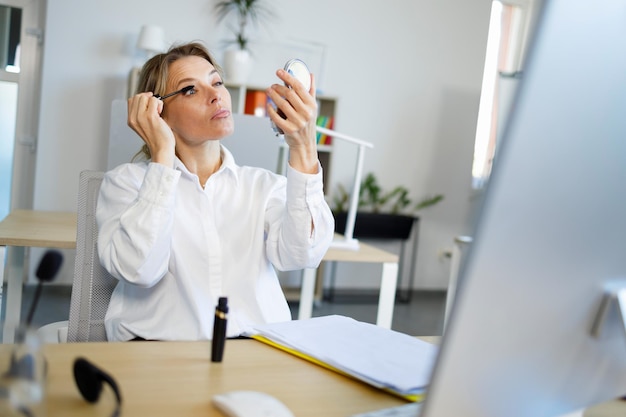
(301, 235)
(135, 219)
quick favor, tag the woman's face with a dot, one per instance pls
(204, 112)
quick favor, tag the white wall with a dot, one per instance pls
(407, 75)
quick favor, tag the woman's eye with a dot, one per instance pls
(219, 83)
(191, 91)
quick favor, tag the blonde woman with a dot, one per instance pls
(187, 225)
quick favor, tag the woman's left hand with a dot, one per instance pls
(300, 110)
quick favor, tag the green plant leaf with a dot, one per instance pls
(372, 198)
(427, 202)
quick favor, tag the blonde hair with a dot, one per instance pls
(155, 72)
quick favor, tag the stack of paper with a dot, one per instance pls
(383, 358)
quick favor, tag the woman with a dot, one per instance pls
(188, 225)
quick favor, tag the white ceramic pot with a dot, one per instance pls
(237, 66)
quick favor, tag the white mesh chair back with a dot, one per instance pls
(93, 285)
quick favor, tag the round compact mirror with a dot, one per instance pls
(299, 70)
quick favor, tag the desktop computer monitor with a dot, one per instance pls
(551, 235)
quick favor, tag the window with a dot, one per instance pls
(22, 24)
(11, 18)
(10, 22)
(508, 33)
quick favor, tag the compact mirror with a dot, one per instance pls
(298, 69)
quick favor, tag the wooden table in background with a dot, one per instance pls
(20, 230)
(23, 229)
(364, 254)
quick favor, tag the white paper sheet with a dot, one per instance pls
(381, 357)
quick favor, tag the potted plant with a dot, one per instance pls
(237, 62)
(382, 214)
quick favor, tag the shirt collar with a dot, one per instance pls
(228, 167)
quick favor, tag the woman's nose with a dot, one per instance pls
(216, 97)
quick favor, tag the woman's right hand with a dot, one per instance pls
(144, 117)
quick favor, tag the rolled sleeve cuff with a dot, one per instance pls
(305, 190)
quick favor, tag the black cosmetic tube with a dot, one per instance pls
(219, 330)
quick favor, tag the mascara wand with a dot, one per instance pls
(182, 90)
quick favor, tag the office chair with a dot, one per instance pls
(93, 285)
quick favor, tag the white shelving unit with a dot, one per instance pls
(326, 107)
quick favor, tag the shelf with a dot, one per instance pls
(250, 99)
(326, 104)
(324, 148)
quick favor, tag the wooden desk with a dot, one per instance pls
(22, 229)
(178, 379)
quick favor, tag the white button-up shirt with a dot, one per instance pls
(177, 247)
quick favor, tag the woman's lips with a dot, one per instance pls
(221, 113)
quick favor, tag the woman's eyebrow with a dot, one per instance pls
(185, 81)
(190, 80)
